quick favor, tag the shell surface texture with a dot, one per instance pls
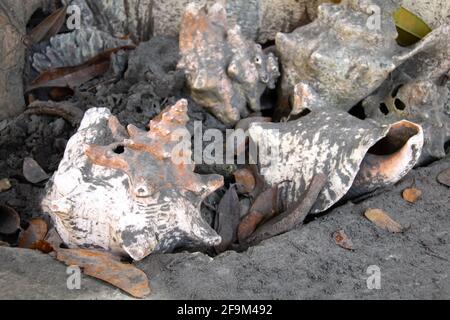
(128, 190)
(226, 72)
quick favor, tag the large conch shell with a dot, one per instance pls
(345, 54)
(122, 190)
(357, 156)
(226, 73)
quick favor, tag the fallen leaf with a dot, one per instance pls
(53, 238)
(42, 246)
(228, 215)
(5, 185)
(444, 177)
(342, 240)
(33, 172)
(4, 244)
(412, 195)
(383, 221)
(49, 27)
(291, 218)
(264, 208)
(245, 181)
(36, 232)
(249, 224)
(9, 220)
(66, 110)
(106, 267)
(72, 77)
(411, 29)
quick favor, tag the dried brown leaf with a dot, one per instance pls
(33, 172)
(229, 213)
(412, 195)
(73, 77)
(245, 181)
(42, 246)
(5, 185)
(106, 267)
(36, 231)
(294, 217)
(49, 27)
(444, 177)
(9, 220)
(383, 220)
(342, 240)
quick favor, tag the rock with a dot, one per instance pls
(33, 172)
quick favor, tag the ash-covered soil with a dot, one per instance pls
(302, 264)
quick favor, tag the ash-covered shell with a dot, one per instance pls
(419, 91)
(226, 72)
(332, 142)
(75, 48)
(344, 55)
(121, 190)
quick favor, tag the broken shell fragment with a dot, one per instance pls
(351, 152)
(342, 56)
(126, 190)
(225, 71)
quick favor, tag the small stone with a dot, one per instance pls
(412, 195)
(33, 172)
(5, 185)
(4, 244)
(444, 177)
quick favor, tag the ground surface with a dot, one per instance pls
(303, 264)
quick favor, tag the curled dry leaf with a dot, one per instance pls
(73, 77)
(42, 246)
(9, 220)
(49, 27)
(106, 267)
(5, 185)
(342, 240)
(229, 213)
(411, 29)
(66, 110)
(35, 233)
(444, 177)
(245, 181)
(264, 208)
(294, 217)
(33, 172)
(382, 220)
(412, 195)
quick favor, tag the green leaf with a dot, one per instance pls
(411, 29)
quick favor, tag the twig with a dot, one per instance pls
(65, 110)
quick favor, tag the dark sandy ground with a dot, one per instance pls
(302, 264)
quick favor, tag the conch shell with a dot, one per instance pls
(357, 156)
(123, 190)
(344, 55)
(225, 71)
